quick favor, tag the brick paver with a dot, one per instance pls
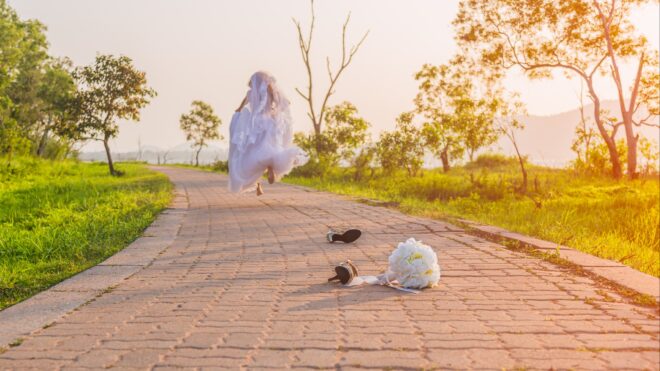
(243, 285)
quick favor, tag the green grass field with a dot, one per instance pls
(613, 220)
(59, 218)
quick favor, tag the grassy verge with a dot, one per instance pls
(609, 219)
(59, 218)
(217, 167)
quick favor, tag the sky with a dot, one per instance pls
(207, 49)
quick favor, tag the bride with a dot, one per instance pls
(261, 138)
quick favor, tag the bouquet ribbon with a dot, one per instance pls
(383, 280)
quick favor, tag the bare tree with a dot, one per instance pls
(510, 108)
(585, 136)
(305, 44)
(165, 154)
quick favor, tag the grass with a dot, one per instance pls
(218, 167)
(59, 218)
(616, 220)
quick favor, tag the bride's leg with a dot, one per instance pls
(271, 175)
(260, 190)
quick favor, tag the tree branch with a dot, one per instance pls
(610, 49)
(635, 89)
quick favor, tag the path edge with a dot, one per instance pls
(45, 308)
(607, 270)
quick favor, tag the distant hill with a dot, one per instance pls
(547, 139)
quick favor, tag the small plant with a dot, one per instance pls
(220, 166)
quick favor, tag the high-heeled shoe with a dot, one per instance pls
(345, 272)
(346, 237)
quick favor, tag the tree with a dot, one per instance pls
(200, 126)
(457, 108)
(10, 44)
(110, 89)
(305, 45)
(579, 37)
(401, 148)
(344, 133)
(27, 107)
(57, 93)
(364, 160)
(22, 50)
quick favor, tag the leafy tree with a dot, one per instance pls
(200, 125)
(11, 35)
(344, 133)
(458, 117)
(21, 46)
(363, 161)
(57, 93)
(401, 148)
(24, 89)
(440, 130)
(305, 44)
(582, 38)
(110, 89)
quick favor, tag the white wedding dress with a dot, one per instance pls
(261, 136)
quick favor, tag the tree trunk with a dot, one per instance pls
(197, 156)
(43, 141)
(317, 142)
(631, 141)
(107, 152)
(444, 157)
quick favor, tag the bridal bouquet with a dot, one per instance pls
(413, 265)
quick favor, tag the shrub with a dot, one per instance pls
(492, 160)
(222, 166)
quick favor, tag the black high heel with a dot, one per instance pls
(346, 237)
(345, 272)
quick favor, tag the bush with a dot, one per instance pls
(314, 168)
(595, 159)
(492, 160)
(221, 166)
(363, 162)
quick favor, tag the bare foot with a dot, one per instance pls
(260, 190)
(271, 175)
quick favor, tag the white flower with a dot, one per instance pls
(414, 265)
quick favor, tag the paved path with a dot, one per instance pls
(243, 286)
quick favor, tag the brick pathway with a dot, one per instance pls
(243, 286)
